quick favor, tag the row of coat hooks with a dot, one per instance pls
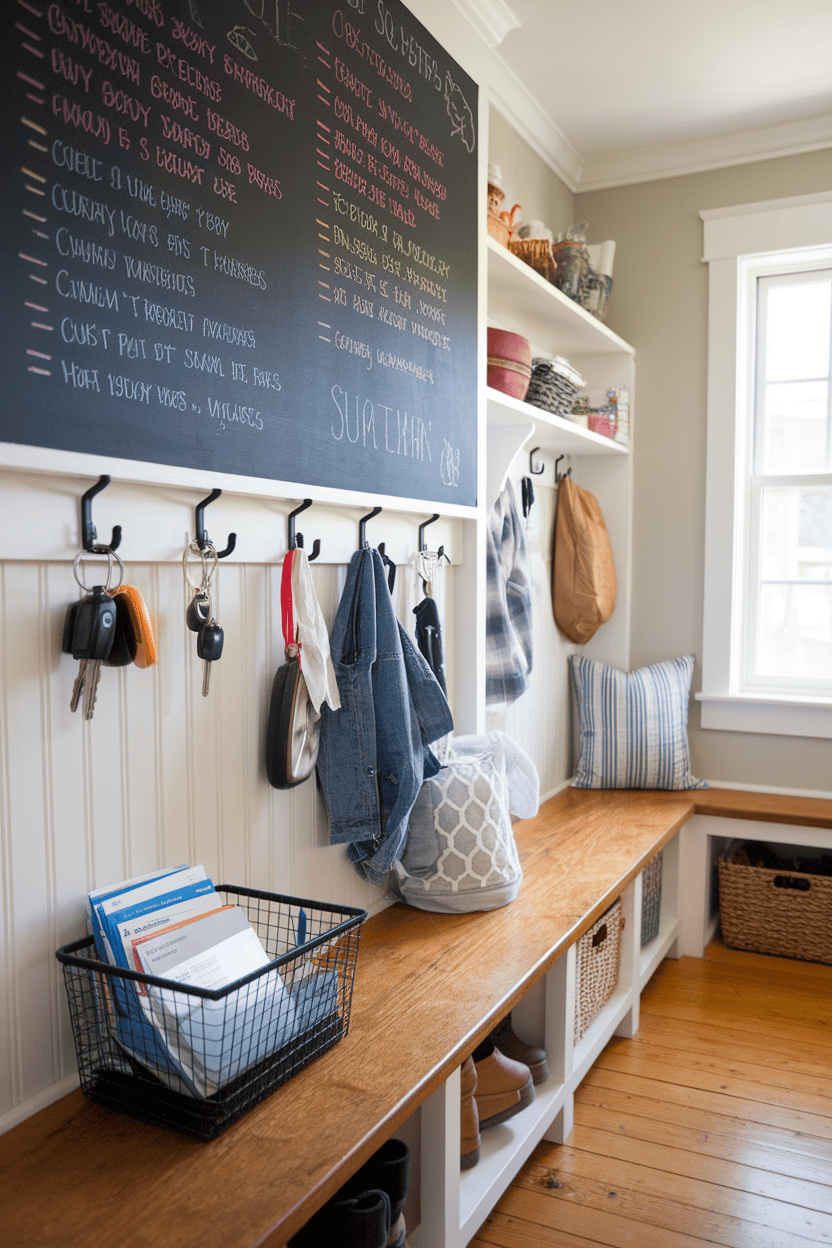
(89, 535)
(526, 486)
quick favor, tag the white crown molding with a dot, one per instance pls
(677, 160)
(453, 25)
(491, 19)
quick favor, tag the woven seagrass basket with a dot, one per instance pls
(598, 959)
(651, 899)
(786, 913)
(537, 253)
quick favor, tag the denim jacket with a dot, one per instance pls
(374, 756)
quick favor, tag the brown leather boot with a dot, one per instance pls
(510, 1045)
(504, 1086)
(469, 1124)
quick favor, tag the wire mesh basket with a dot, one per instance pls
(196, 1060)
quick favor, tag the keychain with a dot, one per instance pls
(199, 614)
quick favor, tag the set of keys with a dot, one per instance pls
(109, 627)
(199, 615)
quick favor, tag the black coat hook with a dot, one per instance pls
(389, 565)
(560, 475)
(297, 540)
(422, 543)
(362, 524)
(527, 490)
(536, 471)
(202, 536)
(89, 537)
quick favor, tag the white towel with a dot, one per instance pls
(315, 660)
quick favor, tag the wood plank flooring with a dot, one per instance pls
(713, 1125)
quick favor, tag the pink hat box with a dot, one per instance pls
(509, 363)
(599, 423)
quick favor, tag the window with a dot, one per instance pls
(788, 603)
(767, 648)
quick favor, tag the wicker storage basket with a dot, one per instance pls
(553, 386)
(651, 899)
(783, 912)
(537, 253)
(598, 958)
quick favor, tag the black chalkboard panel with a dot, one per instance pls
(241, 235)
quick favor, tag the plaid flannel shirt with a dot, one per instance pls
(508, 625)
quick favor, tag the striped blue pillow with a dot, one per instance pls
(633, 726)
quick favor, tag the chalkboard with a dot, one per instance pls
(241, 235)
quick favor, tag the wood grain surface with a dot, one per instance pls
(428, 988)
(708, 1127)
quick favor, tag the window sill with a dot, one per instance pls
(786, 715)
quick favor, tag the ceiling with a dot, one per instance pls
(638, 89)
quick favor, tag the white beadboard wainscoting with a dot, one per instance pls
(162, 775)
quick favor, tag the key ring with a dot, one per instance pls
(207, 576)
(111, 555)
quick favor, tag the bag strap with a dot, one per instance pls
(286, 607)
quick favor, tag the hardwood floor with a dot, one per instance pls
(713, 1125)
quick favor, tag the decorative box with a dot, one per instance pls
(509, 362)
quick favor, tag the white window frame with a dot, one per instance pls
(734, 240)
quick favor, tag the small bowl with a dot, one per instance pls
(509, 363)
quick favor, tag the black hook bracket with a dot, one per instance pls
(362, 525)
(202, 536)
(296, 540)
(422, 543)
(89, 537)
(560, 475)
(536, 471)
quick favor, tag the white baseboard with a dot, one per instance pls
(48, 1096)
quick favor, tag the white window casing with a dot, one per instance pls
(739, 242)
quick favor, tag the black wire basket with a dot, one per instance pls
(195, 1060)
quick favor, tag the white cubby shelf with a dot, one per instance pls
(454, 1205)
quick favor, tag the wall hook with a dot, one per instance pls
(297, 540)
(560, 475)
(362, 524)
(389, 565)
(202, 536)
(89, 537)
(536, 471)
(422, 543)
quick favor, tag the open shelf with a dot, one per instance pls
(543, 313)
(552, 433)
(453, 1213)
(504, 1150)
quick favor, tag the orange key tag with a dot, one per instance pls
(144, 643)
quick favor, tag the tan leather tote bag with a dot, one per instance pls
(583, 582)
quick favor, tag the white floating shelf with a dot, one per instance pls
(542, 313)
(552, 433)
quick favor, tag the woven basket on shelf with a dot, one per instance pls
(598, 957)
(550, 389)
(651, 899)
(782, 912)
(537, 253)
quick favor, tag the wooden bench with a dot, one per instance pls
(428, 988)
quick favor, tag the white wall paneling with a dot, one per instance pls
(159, 775)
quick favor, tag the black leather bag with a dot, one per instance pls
(293, 731)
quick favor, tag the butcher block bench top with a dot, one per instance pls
(428, 989)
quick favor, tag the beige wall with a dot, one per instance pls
(659, 304)
(526, 179)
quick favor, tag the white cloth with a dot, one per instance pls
(315, 660)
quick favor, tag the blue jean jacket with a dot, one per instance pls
(374, 756)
